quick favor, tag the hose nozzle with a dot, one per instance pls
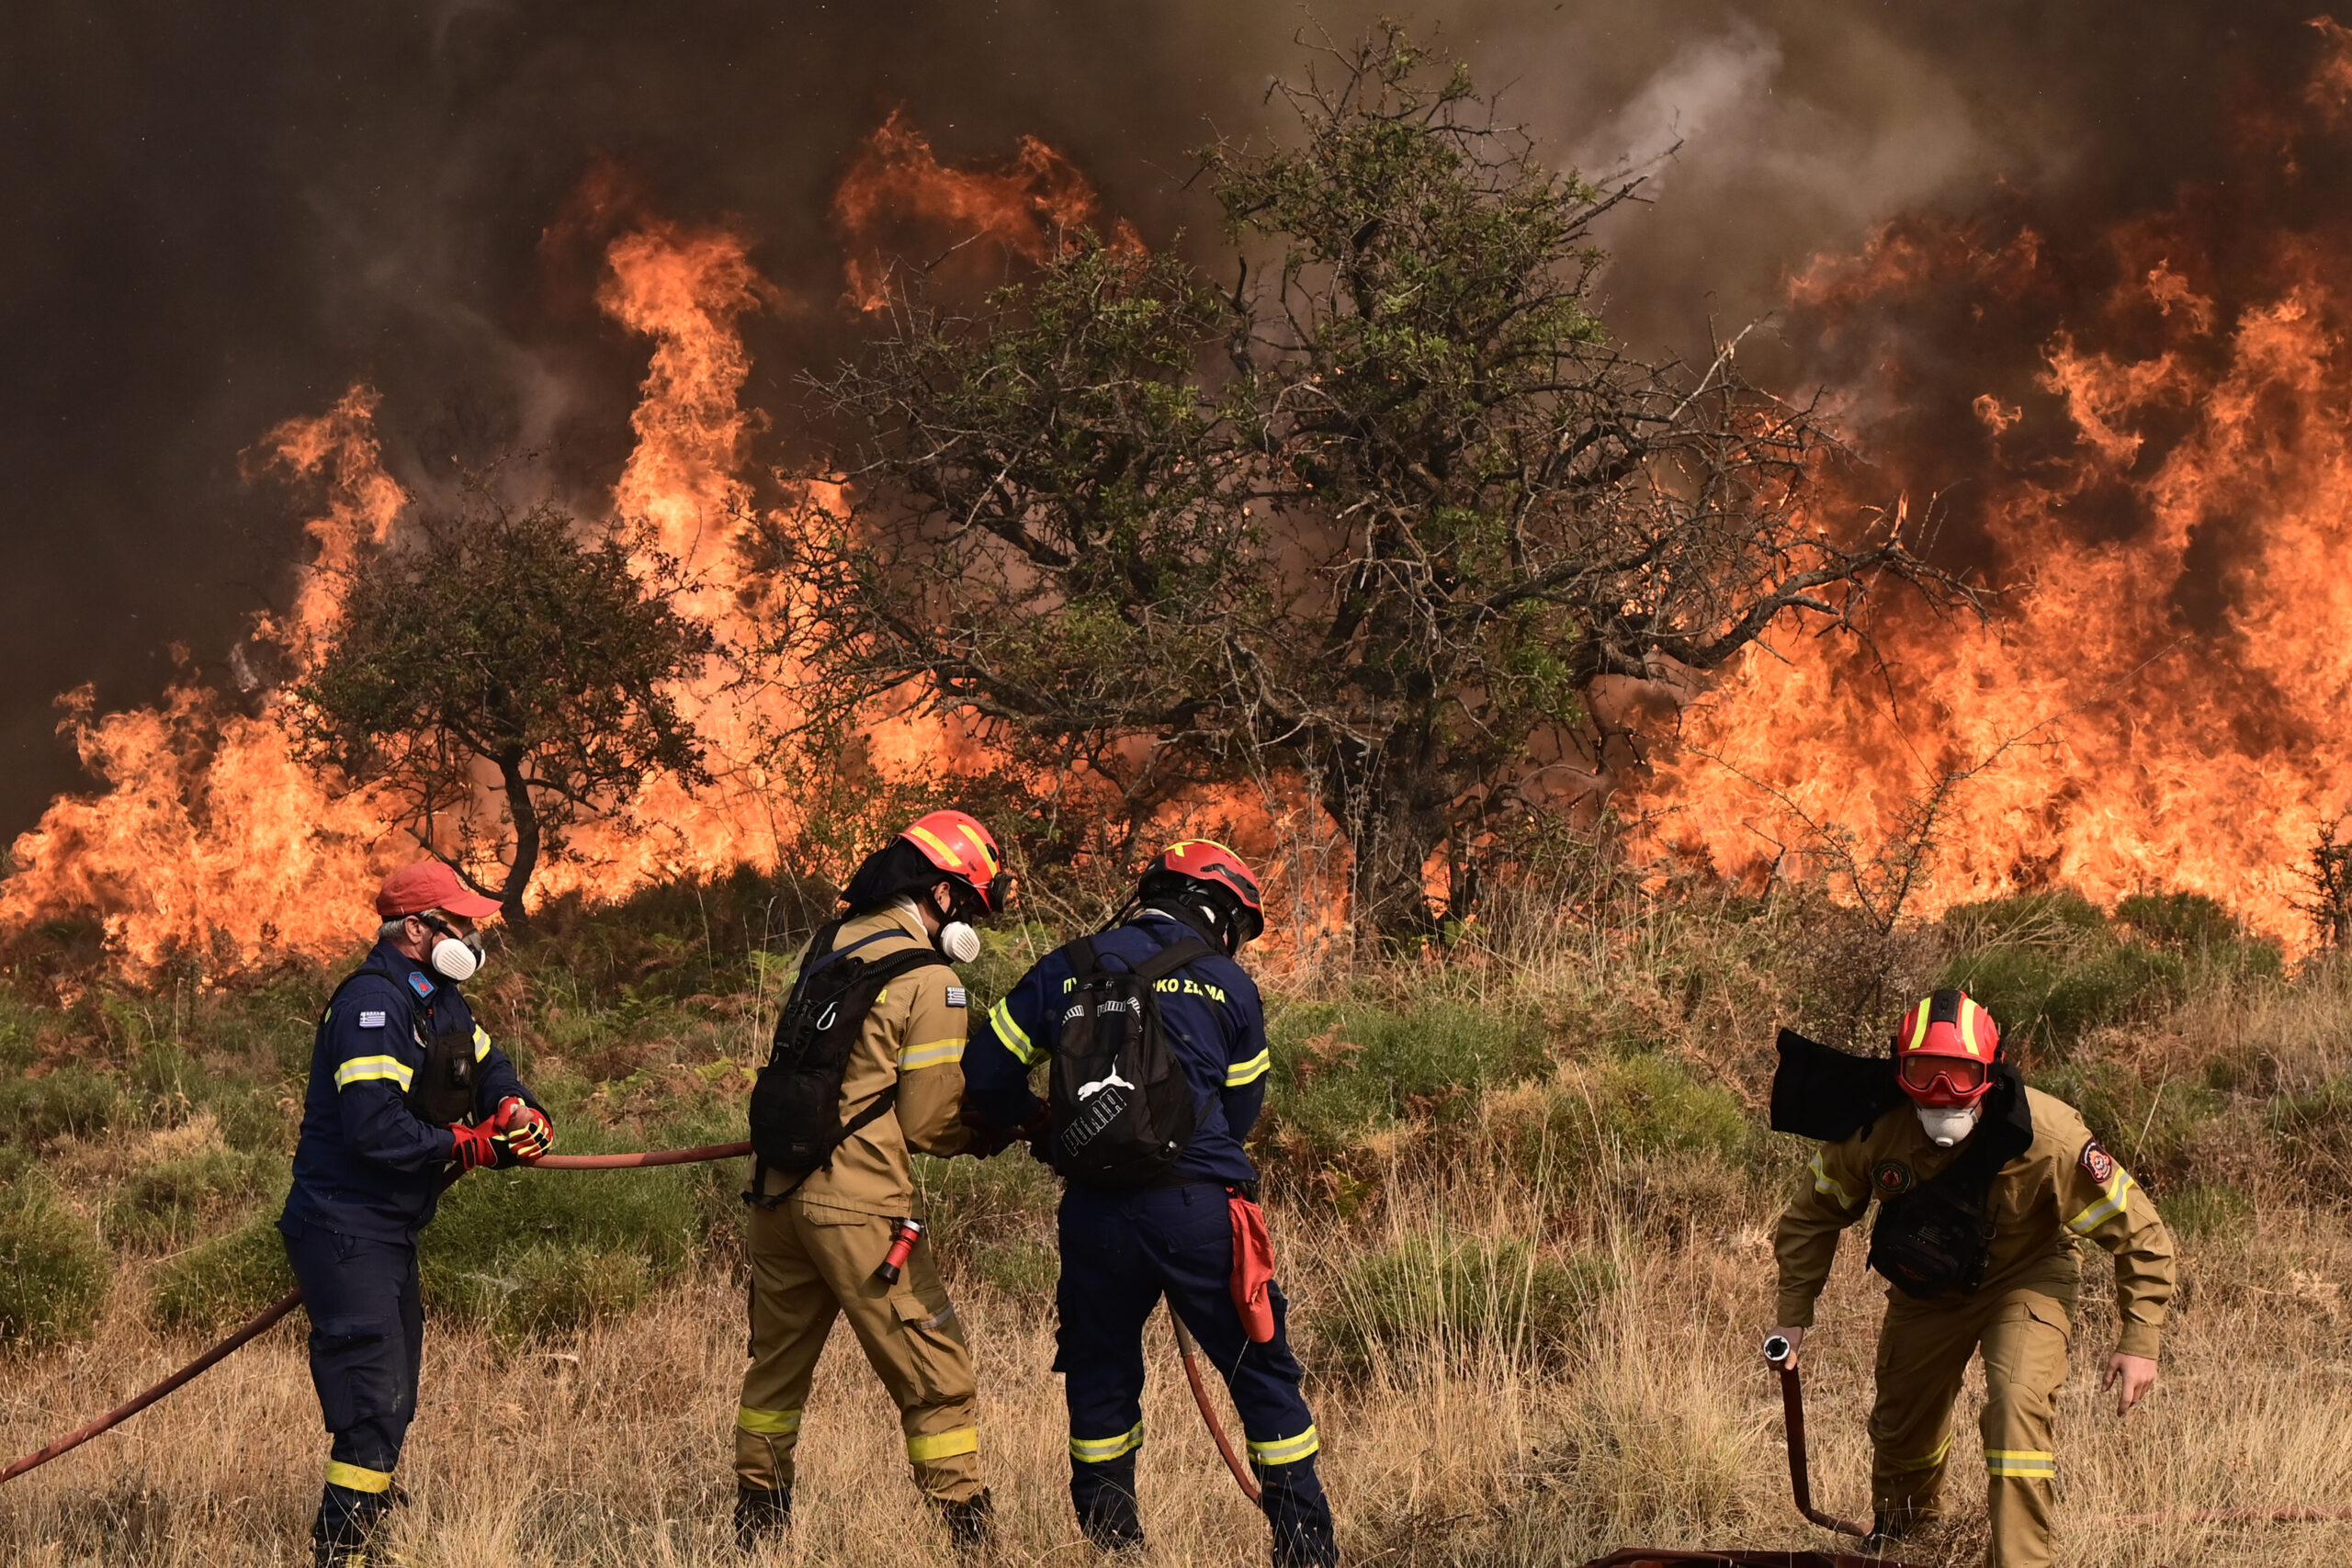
(1776, 1348)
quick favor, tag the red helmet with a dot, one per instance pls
(1944, 1050)
(958, 845)
(1205, 865)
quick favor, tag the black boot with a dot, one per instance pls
(969, 1523)
(1886, 1529)
(761, 1514)
(343, 1534)
(1104, 1497)
(1292, 1497)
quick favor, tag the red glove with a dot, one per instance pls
(476, 1147)
(524, 1129)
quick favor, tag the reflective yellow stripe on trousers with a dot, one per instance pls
(2030, 1465)
(1101, 1450)
(357, 1477)
(767, 1423)
(943, 1445)
(1285, 1451)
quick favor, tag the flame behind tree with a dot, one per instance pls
(1428, 507)
(498, 649)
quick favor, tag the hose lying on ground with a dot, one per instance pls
(263, 1321)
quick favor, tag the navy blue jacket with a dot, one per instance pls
(365, 1165)
(1214, 1024)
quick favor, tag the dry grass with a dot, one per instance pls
(1656, 1424)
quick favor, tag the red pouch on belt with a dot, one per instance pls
(1253, 1269)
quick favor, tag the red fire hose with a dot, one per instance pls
(1187, 1349)
(263, 1321)
(1783, 1356)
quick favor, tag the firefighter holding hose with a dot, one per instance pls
(1985, 1189)
(1158, 1045)
(405, 1092)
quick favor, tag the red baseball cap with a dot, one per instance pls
(430, 884)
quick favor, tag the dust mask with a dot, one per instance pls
(455, 959)
(959, 942)
(1947, 1124)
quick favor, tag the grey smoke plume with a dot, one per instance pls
(222, 216)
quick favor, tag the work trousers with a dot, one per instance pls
(1923, 1352)
(367, 1349)
(1123, 1249)
(810, 1263)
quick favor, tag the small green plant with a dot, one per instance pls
(1343, 1073)
(52, 1271)
(555, 1287)
(224, 1282)
(171, 1202)
(72, 1101)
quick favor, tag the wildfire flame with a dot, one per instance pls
(2150, 426)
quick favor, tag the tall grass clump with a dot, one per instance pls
(53, 1273)
(209, 1287)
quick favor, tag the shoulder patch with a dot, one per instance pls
(1892, 1179)
(420, 985)
(957, 997)
(2097, 1164)
(371, 1021)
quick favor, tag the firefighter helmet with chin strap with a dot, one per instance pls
(1205, 868)
(1944, 1050)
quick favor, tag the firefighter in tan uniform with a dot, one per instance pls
(1985, 1189)
(817, 1237)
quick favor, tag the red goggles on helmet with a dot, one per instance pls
(1961, 1079)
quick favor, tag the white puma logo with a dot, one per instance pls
(1086, 1091)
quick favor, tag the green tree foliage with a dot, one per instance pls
(504, 676)
(1374, 518)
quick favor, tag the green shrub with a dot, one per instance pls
(2202, 929)
(1577, 1123)
(1444, 1294)
(1024, 1268)
(2149, 1126)
(52, 1271)
(224, 1282)
(70, 1102)
(2050, 998)
(1342, 1072)
(173, 1201)
(554, 1287)
(2039, 919)
(972, 1203)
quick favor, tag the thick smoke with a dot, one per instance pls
(221, 216)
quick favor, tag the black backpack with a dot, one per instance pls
(1122, 1107)
(797, 1101)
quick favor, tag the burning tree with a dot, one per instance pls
(499, 677)
(1377, 516)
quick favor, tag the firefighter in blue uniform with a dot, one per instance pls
(406, 1093)
(1123, 1249)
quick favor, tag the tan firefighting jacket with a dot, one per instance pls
(914, 1037)
(2064, 1189)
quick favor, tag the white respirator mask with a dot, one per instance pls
(959, 942)
(1947, 1124)
(454, 957)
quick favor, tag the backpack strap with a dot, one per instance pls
(1173, 957)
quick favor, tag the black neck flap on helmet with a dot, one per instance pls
(899, 870)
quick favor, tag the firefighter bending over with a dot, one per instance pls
(868, 1065)
(406, 1093)
(1985, 1189)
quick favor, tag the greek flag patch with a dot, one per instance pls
(957, 997)
(371, 1021)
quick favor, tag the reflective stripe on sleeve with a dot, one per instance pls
(767, 1423)
(357, 1478)
(361, 1069)
(1285, 1451)
(1017, 1038)
(931, 1054)
(1101, 1450)
(945, 1445)
(1249, 1072)
(2118, 1189)
(2030, 1465)
(481, 1042)
(1826, 1184)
